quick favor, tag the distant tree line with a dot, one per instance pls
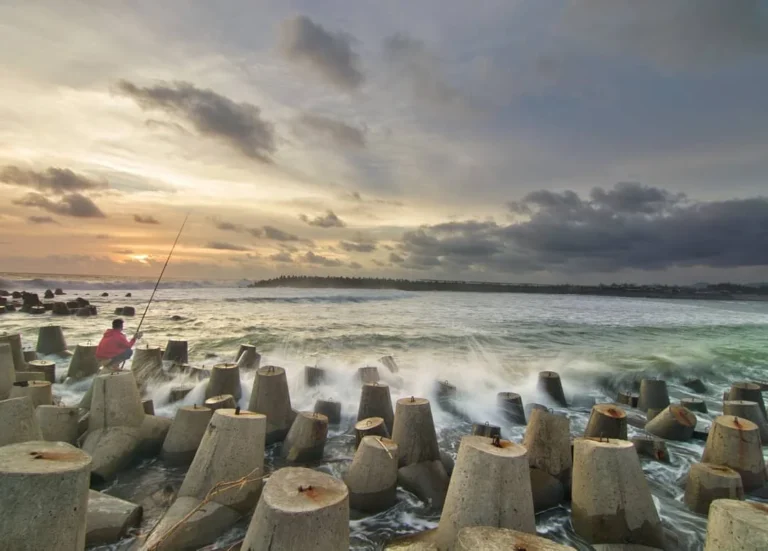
(719, 290)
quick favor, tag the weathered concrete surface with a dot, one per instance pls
(247, 357)
(58, 423)
(694, 404)
(547, 439)
(109, 518)
(375, 401)
(176, 352)
(112, 450)
(487, 538)
(50, 340)
(751, 411)
(152, 434)
(372, 476)
(611, 501)
(651, 447)
(369, 374)
(550, 385)
(735, 442)
(7, 371)
(414, 431)
(29, 376)
(14, 341)
(490, 486)
(300, 509)
(116, 402)
(40, 392)
(147, 365)
(46, 367)
(185, 434)
(373, 426)
(427, 480)
(653, 395)
(222, 401)
(47, 481)
(548, 491)
(511, 406)
(225, 379)
(673, 423)
(750, 392)
(305, 441)
(83, 362)
(707, 482)
(313, 376)
(19, 423)
(270, 396)
(607, 421)
(331, 409)
(736, 526)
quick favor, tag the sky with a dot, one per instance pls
(537, 141)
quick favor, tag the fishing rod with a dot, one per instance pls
(159, 279)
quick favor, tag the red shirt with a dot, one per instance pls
(113, 343)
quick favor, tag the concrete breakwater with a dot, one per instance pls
(419, 442)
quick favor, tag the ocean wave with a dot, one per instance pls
(317, 299)
(35, 284)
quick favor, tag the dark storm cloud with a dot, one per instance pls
(627, 227)
(74, 204)
(53, 180)
(224, 246)
(145, 219)
(265, 232)
(341, 133)
(41, 220)
(238, 124)
(359, 244)
(328, 220)
(320, 260)
(328, 54)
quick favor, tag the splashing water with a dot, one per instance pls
(481, 343)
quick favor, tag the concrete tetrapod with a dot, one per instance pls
(44, 480)
(40, 392)
(19, 421)
(750, 411)
(488, 538)
(610, 500)
(694, 404)
(373, 426)
(329, 408)
(368, 374)
(651, 447)
(185, 434)
(84, 363)
(735, 442)
(14, 341)
(147, 366)
(547, 439)
(176, 352)
(653, 395)
(673, 423)
(707, 482)
(550, 385)
(109, 518)
(305, 441)
(50, 340)
(7, 371)
(372, 477)
(490, 486)
(300, 509)
(247, 357)
(226, 473)
(390, 363)
(628, 398)
(313, 376)
(270, 396)
(511, 406)
(696, 385)
(750, 392)
(22, 376)
(414, 431)
(607, 421)
(46, 367)
(736, 526)
(148, 406)
(225, 379)
(375, 401)
(489, 431)
(58, 423)
(222, 401)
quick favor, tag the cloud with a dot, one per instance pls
(327, 54)
(359, 244)
(396, 258)
(355, 265)
(41, 220)
(328, 220)
(271, 232)
(124, 251)
(74, 204)
(319, 260)
(339, 132)
(58, 181)
(281, 257)
(238, 124)
(224, 246)
(148, 219)
(627, 227)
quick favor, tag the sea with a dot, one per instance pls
(481, 343)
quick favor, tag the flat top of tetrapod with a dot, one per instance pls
(195, 407)
(41, 363)
(683, 415)
(270, 371)
(379, 442)
(746, 385)
(602, 442)
(472, 537)
(382, 385)
(227, 365)
(610, 410)
(296, 489)
(751, 513)
(41, 458)
(34, 383)
(720, 470)
(368, 423)
(412, 401)
(235, 414)
(505, 448)
(314, 416)
(735, 422)
(219, 398)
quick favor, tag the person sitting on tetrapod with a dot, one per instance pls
(114, 347)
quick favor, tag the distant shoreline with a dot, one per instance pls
(720, 291)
